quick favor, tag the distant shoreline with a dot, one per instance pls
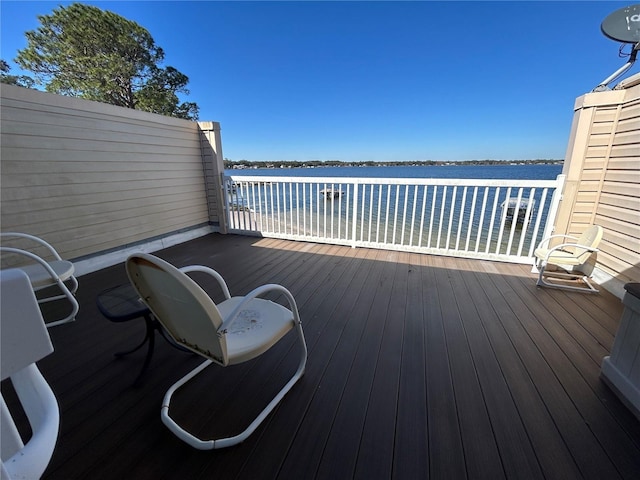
(246, 164)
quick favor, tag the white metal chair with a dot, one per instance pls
(25, 340)
(44, 273)
(231, 332)
(575, 255)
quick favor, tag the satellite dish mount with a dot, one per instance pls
(623, 25)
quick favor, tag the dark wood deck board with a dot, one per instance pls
(411, 443)
(446, 454)
(419, 367)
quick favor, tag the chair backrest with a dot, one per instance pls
(590, 238)
(184, 309)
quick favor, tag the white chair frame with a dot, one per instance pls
(58, 275)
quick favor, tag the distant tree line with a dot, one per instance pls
(240, 164)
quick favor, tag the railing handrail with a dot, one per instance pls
(461, 182)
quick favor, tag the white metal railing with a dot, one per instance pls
(492, 219)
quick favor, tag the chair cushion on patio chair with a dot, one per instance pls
(261, 320)
(558, 257)
(39, 277)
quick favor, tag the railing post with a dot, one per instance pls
(553, 207)
(213, 165)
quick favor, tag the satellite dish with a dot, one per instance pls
(623, 25)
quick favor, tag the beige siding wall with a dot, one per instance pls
(90, 177)
(603, 180)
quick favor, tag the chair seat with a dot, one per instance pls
(39, 277)
(558, 257)
(258, 327)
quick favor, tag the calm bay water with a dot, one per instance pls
(525, 172)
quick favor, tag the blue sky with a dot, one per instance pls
(380, 81)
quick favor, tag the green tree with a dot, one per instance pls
(83, 51)
(20, 80)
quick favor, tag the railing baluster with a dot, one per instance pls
(503, 217)
(354, 216)
(493, 217)
(527, 219)
(441, 221)
(279, 210)
(379, 213)
(298, 231)
(534, 234)
(333, 199)
(251, 206)
(370, 213)
(433, 211)
(395, 215)
(451, 214)
(404, 213)
(413, 213)
(422, 211)
(363, 202)
(461, 217)
(347, 212)
(386, 220)
(291, 229)
(320, 201)
(471, 218)
(282, 225)
(260, 189)
(303, 199)
(340, 211)
(483, 209)
(324, 212)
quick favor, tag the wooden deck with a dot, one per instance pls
(419, 367)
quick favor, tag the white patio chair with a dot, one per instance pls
(231, 332)
(25, 340)
(44, 273)
(576, 256)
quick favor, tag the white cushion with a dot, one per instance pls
(258, 327)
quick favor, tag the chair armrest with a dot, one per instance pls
(563, 245)
(550, 237)
(211, 272)
(271, 287)
(34, 239)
